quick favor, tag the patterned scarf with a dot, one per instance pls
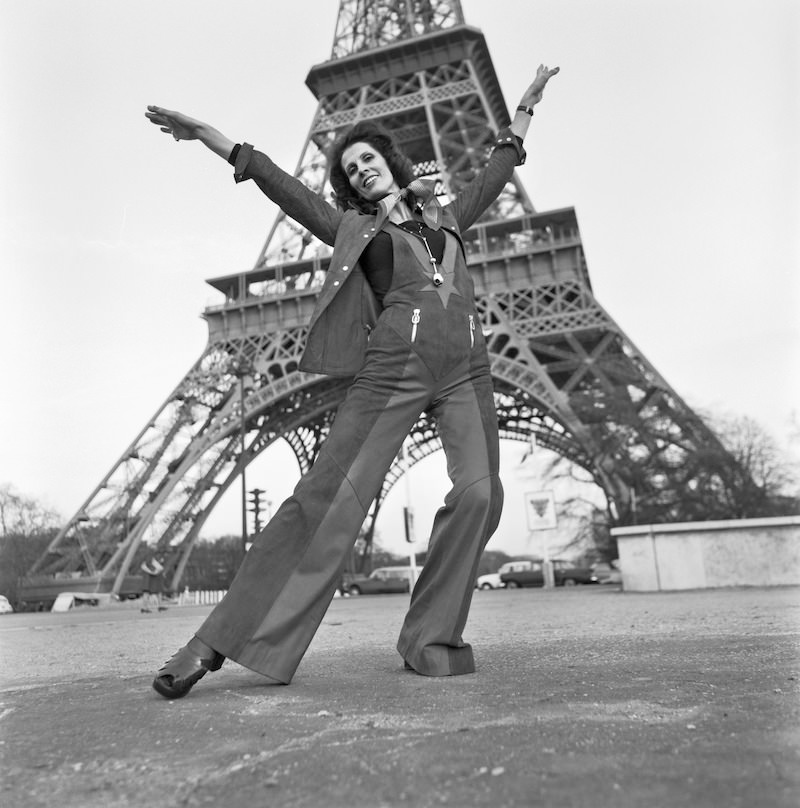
(423, 193)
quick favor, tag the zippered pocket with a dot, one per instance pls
(414, 324)
(471, 331)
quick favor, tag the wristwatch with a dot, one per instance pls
(523, 108)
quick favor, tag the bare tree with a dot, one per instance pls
(767, 480)
(590, 522)
(23, 516)
(26, 528)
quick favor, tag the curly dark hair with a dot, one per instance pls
(380, 140)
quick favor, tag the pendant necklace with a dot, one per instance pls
(438, 278)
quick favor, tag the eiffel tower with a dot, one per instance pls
(565, 373)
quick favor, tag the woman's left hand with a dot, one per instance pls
(533, 95)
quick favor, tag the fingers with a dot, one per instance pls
(546, 72)
(543, 75)
(159, 115)
(161, 118)
(156, 116)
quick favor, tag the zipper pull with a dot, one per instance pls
(414, 324)
(471, 331)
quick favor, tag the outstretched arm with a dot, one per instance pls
(182, 127)
(291, 195)
(531, 97)
(472, 200)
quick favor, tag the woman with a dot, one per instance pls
(397, 312)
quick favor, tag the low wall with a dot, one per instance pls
(704, 555)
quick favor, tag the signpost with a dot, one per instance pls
(408, 520)
(540, 507)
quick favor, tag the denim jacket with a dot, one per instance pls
(346, 309)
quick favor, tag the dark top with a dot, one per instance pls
(377, 258)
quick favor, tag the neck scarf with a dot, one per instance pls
(423, 193)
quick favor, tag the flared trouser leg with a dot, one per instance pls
(288, 577)
(430, 640)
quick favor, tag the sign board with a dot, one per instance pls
(408, 524)
(540, 506)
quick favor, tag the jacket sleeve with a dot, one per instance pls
(475, 197)
(294, 199)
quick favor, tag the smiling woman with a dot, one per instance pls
(402, 321)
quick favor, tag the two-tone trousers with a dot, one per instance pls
(288, 577)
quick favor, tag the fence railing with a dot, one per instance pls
(201, 597)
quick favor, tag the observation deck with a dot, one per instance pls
(503, 255)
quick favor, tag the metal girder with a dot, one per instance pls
(364, 25)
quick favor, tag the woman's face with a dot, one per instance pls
(368, 172)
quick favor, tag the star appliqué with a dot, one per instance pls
(444, 291)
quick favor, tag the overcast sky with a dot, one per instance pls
(672, 129)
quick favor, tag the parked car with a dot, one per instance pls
(5, 606)
(568, 574)
(489, 581)
(382, 581)
(517, 574)
(607, 573)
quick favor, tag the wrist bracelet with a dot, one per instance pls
(523, 108)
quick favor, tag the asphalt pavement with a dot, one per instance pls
(587, 696)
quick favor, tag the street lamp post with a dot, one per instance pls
(241, 368)
(256, 495)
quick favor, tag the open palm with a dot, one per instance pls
(533, 95)
(174, 123)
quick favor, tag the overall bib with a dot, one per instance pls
(426, 353)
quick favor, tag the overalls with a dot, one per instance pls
(426, 353)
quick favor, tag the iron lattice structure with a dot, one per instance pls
(564, 372)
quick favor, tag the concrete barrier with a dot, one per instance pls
(705, 555)
(67, 600)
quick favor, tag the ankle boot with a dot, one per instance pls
(187, 667)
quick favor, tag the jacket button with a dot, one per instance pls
(345, 268)
(336, 283)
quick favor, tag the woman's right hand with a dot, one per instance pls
(174, 123)
(182, 127)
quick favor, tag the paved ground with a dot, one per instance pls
(583, 697)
